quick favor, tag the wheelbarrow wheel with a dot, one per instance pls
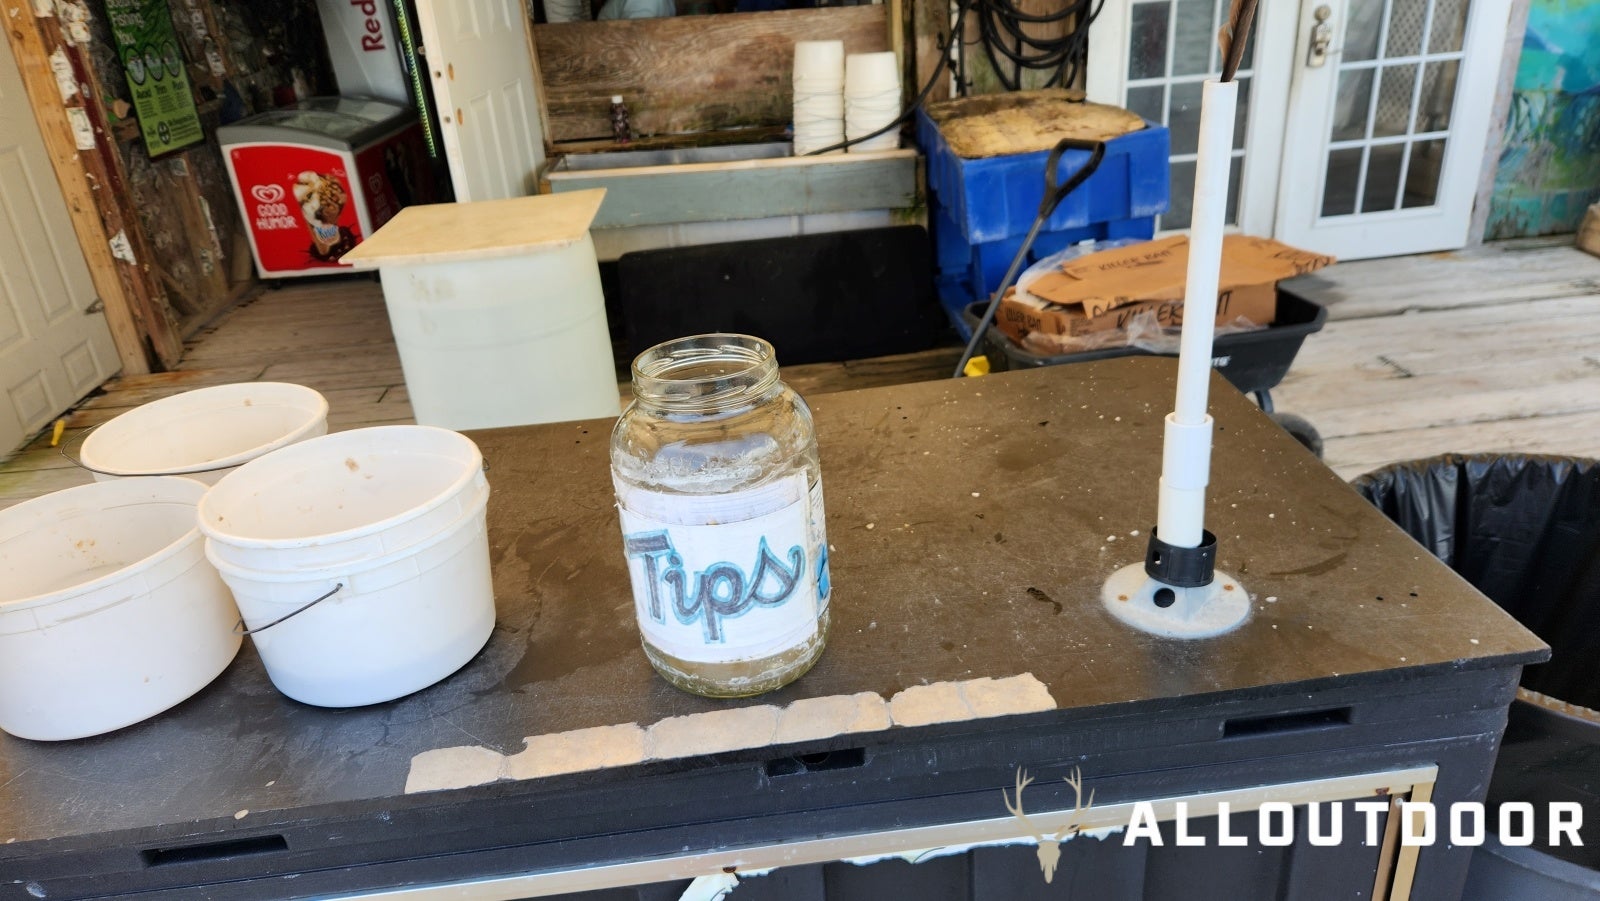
(1302, 430)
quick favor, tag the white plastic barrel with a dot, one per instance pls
(497, 310)
(391, 520)
(205, 433)
(109, 612)
(504, 340)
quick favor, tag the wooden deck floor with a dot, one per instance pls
(1493, 349)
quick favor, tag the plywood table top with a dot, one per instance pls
(485, 229)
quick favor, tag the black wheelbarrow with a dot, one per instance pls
(1254, 362)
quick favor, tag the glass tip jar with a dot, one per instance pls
(719, 492)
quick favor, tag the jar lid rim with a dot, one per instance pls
(658, 362)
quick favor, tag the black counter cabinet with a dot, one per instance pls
(972, 525)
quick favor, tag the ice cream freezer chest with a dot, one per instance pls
(313, 180)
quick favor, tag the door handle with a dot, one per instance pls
(1321, 37)
(98, 306)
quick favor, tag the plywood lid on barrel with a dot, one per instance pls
(450, 232)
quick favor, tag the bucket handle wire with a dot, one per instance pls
(239, 627)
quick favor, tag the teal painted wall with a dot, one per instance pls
(1549, 170)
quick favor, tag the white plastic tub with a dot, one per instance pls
(394, 518)
(343, 498)
(205, 433)
(397, 623)
(109, 612)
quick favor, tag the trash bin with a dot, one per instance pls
(1525, 530)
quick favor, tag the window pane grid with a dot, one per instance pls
(1416, 101)
(1395, 60)
(1184, 20)
(1172, 35)
(1379, 142)
(1377, 84)
(1191, 79)
(1410, 191)
(1213, 64)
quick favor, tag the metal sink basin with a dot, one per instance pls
(693, 195)
(631, 159)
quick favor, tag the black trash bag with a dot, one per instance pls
(1524, 530)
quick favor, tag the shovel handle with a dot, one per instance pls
(1053, 195)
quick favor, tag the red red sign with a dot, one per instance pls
(299, 205)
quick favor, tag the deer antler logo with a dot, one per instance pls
(1050, 848)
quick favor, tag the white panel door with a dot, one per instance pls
(478, 55)
(1386, 137)
(52, 351)
(1151, 57)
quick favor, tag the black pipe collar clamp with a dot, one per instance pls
(1181, 567)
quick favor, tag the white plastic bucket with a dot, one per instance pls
(393, 517)
(392, 625)
(205, 433)
(109, 612)
(343, 498)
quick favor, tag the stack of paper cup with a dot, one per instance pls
(871, 99)
(564, 11)
(818, 95)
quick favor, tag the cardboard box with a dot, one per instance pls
(1103, 291)
(1588, 238)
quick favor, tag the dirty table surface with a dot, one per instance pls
(973, 523)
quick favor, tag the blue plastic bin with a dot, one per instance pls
(981, 209)
(997, 197)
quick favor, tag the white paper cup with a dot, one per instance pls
(819, 62)
(871, 72)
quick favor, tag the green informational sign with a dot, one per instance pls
(148, 45)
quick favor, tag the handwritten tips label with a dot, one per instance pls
(728, 591)
(720, 592)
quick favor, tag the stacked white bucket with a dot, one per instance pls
(114, 596)
(109, 611)
(871, 100)
(818, 95)
(205, 434)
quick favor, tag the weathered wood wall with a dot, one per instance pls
(243, 56)
(161, 236)
(688, 74)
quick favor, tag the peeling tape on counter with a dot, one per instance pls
(734, 729)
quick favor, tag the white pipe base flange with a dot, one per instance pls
(1148, 605)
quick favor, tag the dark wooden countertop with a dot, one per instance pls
(973, 523)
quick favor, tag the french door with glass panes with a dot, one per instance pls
(1152, 56)
(1362, 121)
(1385, 139)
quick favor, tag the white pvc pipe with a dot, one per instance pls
(1186, 458)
